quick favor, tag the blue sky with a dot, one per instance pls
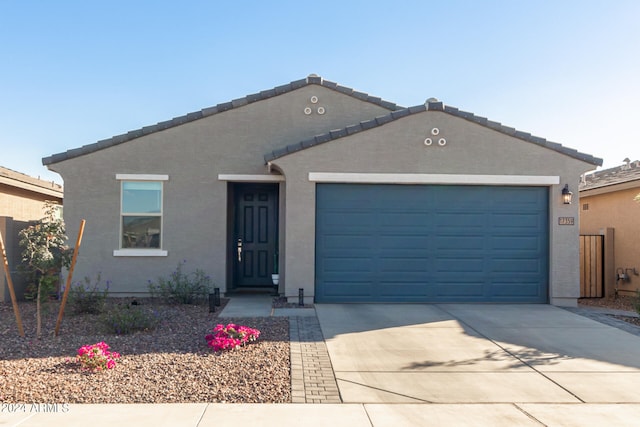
(75, 72)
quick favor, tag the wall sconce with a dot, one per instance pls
(567, 195)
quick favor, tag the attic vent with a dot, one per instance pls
(583, 179)
(627, 164)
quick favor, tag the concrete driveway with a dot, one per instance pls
(463, 353)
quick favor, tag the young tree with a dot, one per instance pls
(44, 253)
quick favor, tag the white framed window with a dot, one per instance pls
(141, 210)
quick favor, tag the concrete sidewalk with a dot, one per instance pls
(261, 306)
(332, 415)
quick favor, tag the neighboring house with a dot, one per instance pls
(352, 198)
(608, 208)
(22, 199)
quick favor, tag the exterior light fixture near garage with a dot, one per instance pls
(567, 195)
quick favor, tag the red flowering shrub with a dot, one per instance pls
(230, 336)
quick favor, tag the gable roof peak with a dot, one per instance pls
(432, 104)
(225, 106)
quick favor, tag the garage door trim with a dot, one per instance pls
(425, 178)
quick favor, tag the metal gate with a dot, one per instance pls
(591, 266)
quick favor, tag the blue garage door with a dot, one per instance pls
(431, 243)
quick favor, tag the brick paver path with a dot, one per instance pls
(312, 377)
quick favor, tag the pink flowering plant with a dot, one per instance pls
(97, 357)
(231, 336)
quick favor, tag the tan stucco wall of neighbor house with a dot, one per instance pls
(398, 147)
(22, 199)
(193, 156)
(614, 207)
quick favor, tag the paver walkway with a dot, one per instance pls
(312, 377)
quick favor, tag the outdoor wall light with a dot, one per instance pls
(567, 195)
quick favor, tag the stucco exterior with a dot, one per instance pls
(608, 203)
(261, 139)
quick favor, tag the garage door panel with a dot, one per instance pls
(513, 290)
(404, 290)
(403, 265)
(459, 243)
(348, 243)
(402, 246)
(354, 289)
(459, 220)
(460, 290)
(402, 220)
(459, 265)
(353, 217)
(514, 222)
(431, 243)
(526, 243)
(347, 265)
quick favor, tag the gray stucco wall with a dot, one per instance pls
(195, 200)
(398, 147)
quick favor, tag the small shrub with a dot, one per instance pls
(97, 357)
(87, 297)
(125, 319)
(231, 336)
(181, 287)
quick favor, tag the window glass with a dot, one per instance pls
(141, 231)
(141, 214)
(141, 197)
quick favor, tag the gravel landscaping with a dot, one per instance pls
(170, 364)
(622, 302)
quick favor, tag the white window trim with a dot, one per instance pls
(135, 252)
(140, 252)
(420, 178)
(141, 177)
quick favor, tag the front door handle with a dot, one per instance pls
(239, 247)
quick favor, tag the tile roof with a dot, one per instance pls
(396, 113)
(430, 106)
(17, 179)
(177, 121)
(630, 171)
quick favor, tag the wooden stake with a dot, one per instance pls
(16, 309)
(68, 286)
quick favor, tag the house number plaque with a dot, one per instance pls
(566, 220)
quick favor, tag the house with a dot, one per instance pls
(350, 197)
(22, 199)
(608, 208)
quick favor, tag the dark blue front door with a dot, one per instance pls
(255, 234)
(431, 243)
